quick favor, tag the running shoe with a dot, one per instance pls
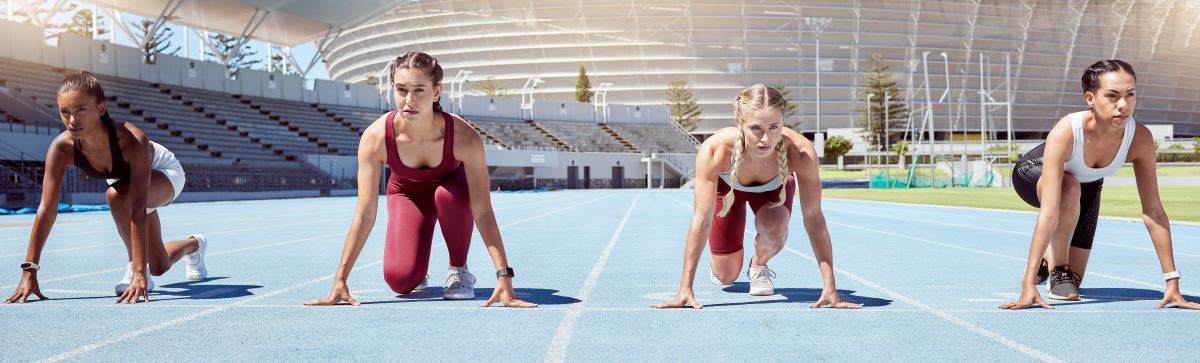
(459, 285)
(760, 280)
(195, 260)
(1063, 284)
(125, 281)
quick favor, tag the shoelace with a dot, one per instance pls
(1068, 275)
(456, 279)
(763, 277)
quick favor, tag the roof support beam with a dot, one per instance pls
(163, 17)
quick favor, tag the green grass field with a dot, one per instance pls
(1126, 171)
(1119, 201)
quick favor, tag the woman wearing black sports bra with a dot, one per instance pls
(142, 177)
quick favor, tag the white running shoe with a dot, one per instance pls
(760, 280)
(125, 281)
(460, 284)
(716, 281)
(424, 284)
(195, 260)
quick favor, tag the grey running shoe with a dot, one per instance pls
(1062, 284)
(460, 284)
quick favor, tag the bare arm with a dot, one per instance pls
(468, 148)
(372, 154)
(58, 157)
(713, 154)
(1142, 153)
(803, 161)
(704, 208)
(136, 148)
(1057, 152)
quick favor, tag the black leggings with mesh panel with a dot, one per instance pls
(1025, 177)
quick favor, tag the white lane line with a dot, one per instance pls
(434, 305)
(285, 243)
(1185, 224)
(167, 225)
(123, 337)
(997, 230)
(282, 243)
(562, 338)
(169, 323)
(989, 253)
(208, 234)
(1002, 340)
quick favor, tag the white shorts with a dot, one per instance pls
(165, 162)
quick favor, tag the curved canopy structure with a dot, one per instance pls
(281, 22)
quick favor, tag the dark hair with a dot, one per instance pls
(1091, 76)
(422, 61)
(86, 82)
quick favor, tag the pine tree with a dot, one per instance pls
(583, 87)
(153, 44)
(684, 109)
(226, 53)
(790, 112)
(278, 65)
(81, 24)
(879, 81)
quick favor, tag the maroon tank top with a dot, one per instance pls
(409, 180)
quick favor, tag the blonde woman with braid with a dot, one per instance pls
(759, 163)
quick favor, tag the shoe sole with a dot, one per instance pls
(459, 296)
(762, 292)
(1071, 297)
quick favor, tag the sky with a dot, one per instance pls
(303, 53)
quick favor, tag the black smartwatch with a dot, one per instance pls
(506, 271)
(30, 266)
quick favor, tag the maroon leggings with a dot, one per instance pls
(728, 232)
(416, 199)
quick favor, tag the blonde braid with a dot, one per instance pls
(727, 200)
(781, 152)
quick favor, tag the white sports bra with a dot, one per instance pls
(1078, 168)
(771, 185)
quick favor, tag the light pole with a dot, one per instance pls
(600, 101)
(887, 135)
(818, 25)
(870, 130)
(527, 94)
(456, 89)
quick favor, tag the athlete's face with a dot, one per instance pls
(80, 112)
(762, 129)
(1115, 100)
(415, 92)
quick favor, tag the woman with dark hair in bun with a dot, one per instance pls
(143, 176)
(438, 175)
(1063, 177)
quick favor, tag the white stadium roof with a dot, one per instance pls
(282, 22)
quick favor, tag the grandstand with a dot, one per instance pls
(230, 139)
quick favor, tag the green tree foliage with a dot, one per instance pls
(879, 81)
(682, 101)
